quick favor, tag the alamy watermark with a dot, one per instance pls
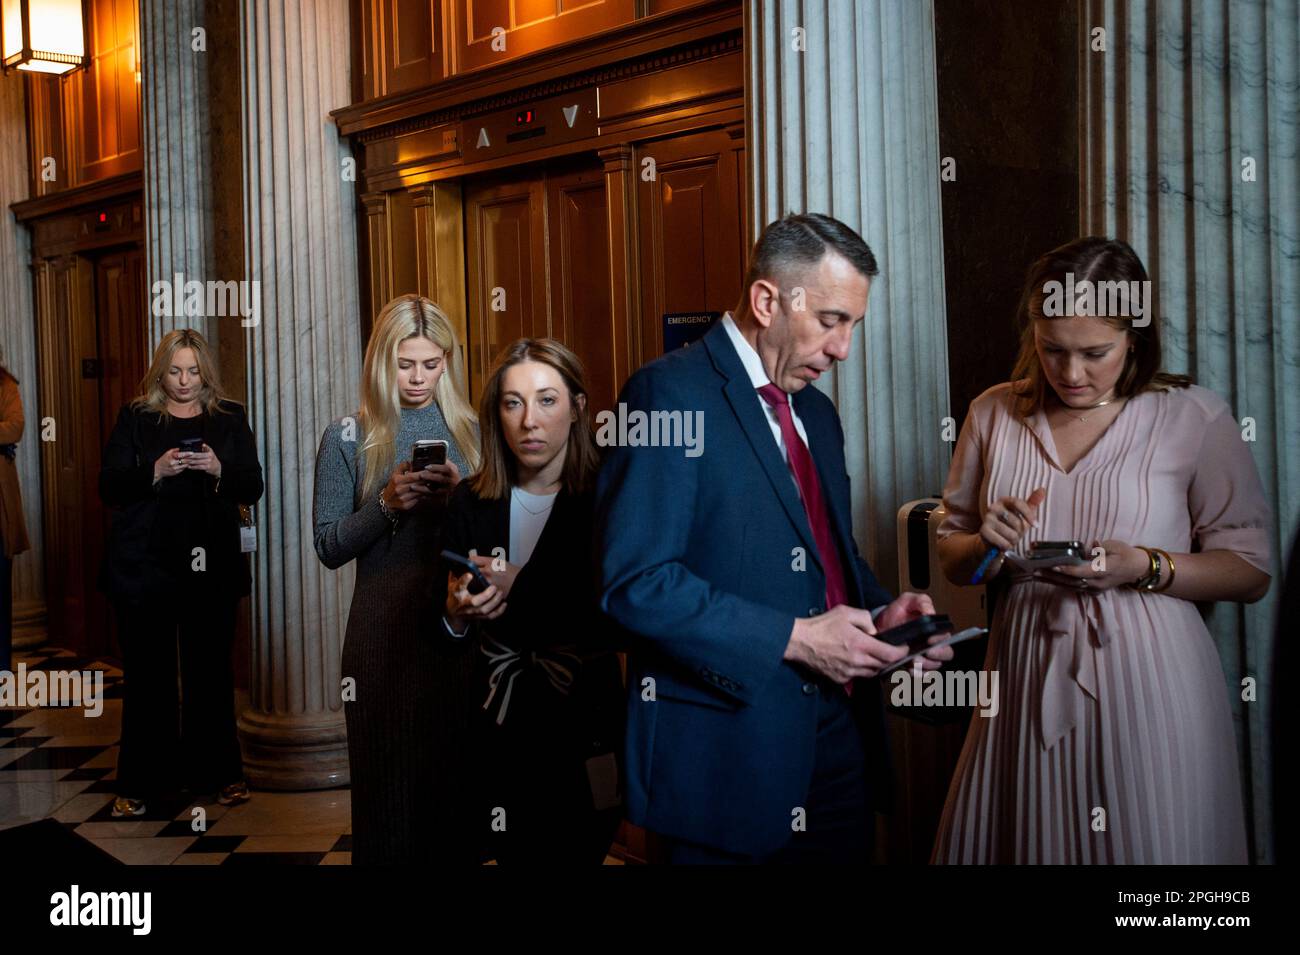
(653, 429)
(178, 297)
(28, 689)
(978, 688)
(1098, 299)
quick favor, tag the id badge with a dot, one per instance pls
(602, 774)
(247, 540)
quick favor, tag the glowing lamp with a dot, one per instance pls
(42, 36)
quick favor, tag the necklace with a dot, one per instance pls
(1090, 408)
(524, 505)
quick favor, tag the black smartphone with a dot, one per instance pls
(191, 445)
(1057, 550)
(461, 565)
(428, 451)
(916, 632)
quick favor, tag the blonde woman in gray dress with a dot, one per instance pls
(409, 717)
(1114, 741)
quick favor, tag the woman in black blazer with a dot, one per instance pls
(179, 463)
(551, 723)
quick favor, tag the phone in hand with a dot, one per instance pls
(463, 565)
(917, 631)
(428, 451)
(1060, 553)
(190, 445)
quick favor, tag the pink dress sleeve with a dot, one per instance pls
(961, 495)
(1226, 497)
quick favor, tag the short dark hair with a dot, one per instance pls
(803, 240)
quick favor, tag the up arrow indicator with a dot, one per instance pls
(483, 140)
(570, 114)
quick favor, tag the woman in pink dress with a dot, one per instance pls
(1113, 742)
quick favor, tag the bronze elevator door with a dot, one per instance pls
(537, 262)
(96, 336)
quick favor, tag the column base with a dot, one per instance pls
(294, 751)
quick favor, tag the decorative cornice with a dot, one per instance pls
(74, 198)
(715, 31)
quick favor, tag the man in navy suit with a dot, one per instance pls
(733, 562)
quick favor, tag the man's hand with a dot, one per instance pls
(840, 645)
(907, 607)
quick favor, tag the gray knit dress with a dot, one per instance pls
(408, 728)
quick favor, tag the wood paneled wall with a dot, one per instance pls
(405, 44)
(88, 121)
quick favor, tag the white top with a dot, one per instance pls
(754, 366)
(528, 515)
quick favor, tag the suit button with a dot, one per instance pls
(809, 689)
(814, 611)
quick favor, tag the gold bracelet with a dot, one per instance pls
(1153, 572)
(1170, 582)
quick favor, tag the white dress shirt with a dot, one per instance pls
(758, 377)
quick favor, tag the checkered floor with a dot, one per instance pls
(60, 763)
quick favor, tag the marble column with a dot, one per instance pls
(177, 165)
(303, 361)
(18, 352)
(1190, 136)
(843, 120)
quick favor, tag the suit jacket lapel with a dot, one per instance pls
(753, 422)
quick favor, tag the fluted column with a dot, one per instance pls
(178, 174)
(1191, 129)
(843, 120)
(18, 344)
(303, 360)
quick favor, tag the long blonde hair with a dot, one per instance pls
(409, 316)
(152, 395)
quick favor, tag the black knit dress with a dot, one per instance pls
(409, 724)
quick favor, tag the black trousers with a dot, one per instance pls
(838, 823)
(177, 733)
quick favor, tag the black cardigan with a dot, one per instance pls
(552, 605)
(553, 600)
(135, 566)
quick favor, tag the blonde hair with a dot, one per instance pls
(409, 316)
(152, 395)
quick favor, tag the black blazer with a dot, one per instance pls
(552, 604)
(135, 564)
(553, 601)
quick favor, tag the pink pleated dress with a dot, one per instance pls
(1113, 741)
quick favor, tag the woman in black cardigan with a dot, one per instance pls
(551, 724)
(179, 463)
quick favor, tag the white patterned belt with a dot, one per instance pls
(558, 663)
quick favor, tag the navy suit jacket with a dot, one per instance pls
(700, 559)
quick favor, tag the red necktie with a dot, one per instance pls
(810, 490)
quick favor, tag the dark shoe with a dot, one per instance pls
(234, 794)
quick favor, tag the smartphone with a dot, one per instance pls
(461, 565)
(191, 445)
(916, 632)
(1060, 552)
(428, 451)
